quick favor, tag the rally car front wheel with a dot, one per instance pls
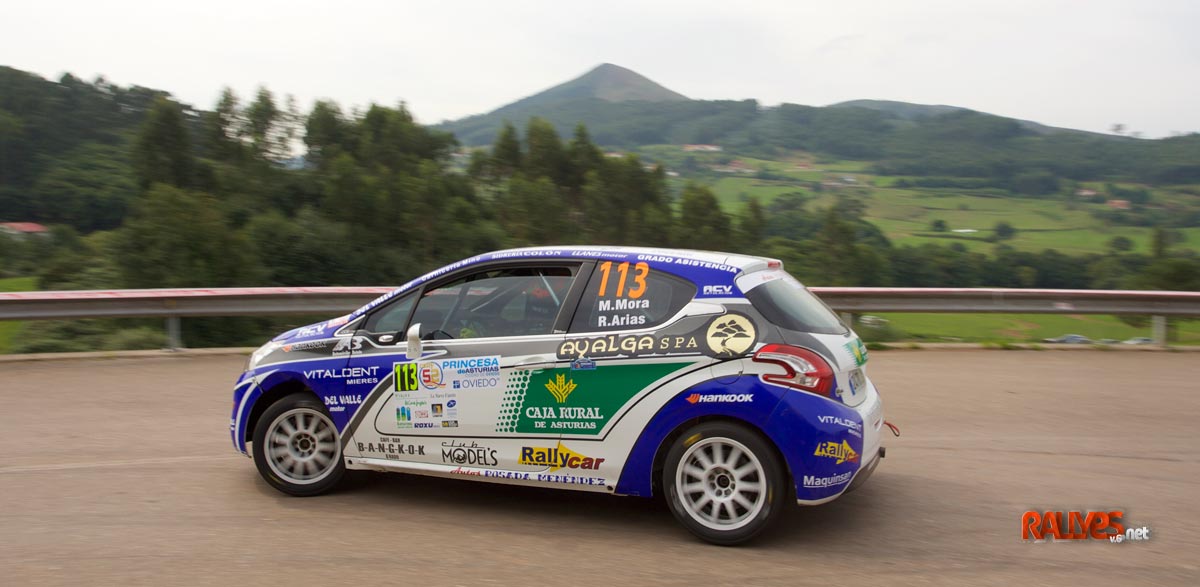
(723, 482)
(297, 448)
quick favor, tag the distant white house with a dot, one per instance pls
(702, 148)
(964, 230)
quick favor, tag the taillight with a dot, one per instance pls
(803, 368)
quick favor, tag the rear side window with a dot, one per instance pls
(788, 304)
(628, 296)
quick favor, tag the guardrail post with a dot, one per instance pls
(1158, 329)
(174, 337)
(848, 319)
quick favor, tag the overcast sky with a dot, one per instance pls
(1082, 64)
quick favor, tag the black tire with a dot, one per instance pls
(316, 448)
(755, 475)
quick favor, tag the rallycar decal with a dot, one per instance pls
(558, 457)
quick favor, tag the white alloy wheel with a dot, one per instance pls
(721, 483)
(302, 446)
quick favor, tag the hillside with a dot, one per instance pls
(916, 112)
(898, 138)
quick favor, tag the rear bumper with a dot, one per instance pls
(865, 473)
(814, 432)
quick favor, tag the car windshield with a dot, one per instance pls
(788, 304)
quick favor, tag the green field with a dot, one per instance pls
(8, 328)
(1020, 327)
(906, 214)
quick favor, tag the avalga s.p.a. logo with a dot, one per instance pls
(728, 335)
(840, 452)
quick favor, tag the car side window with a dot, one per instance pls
(627, 296)
(519, 301)
(393, 317)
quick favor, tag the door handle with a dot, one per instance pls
(535, 363)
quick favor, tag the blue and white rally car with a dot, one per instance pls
(716, 380)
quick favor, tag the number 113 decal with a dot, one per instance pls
(640, 271)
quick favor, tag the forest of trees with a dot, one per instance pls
(142, 191)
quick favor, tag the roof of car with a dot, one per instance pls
(704, 268)
(593, 251)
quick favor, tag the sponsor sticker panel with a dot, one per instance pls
(566, 401)
(426, 394)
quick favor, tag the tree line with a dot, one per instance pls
(221, 198)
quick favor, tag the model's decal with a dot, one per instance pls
(474, 454)
(563, 401)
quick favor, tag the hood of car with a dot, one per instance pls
(322, 329)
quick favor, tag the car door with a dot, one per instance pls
(486, 334)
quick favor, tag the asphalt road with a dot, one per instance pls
(119, 472)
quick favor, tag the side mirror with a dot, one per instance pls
(413, 352)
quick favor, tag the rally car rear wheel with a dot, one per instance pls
(723, 482)
(297, 448)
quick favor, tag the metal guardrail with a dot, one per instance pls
(174, 304)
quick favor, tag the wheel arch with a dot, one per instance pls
(273, 390)
(645, 461)
(664, 447)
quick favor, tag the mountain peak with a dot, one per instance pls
(611, 83)
(568, 103)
